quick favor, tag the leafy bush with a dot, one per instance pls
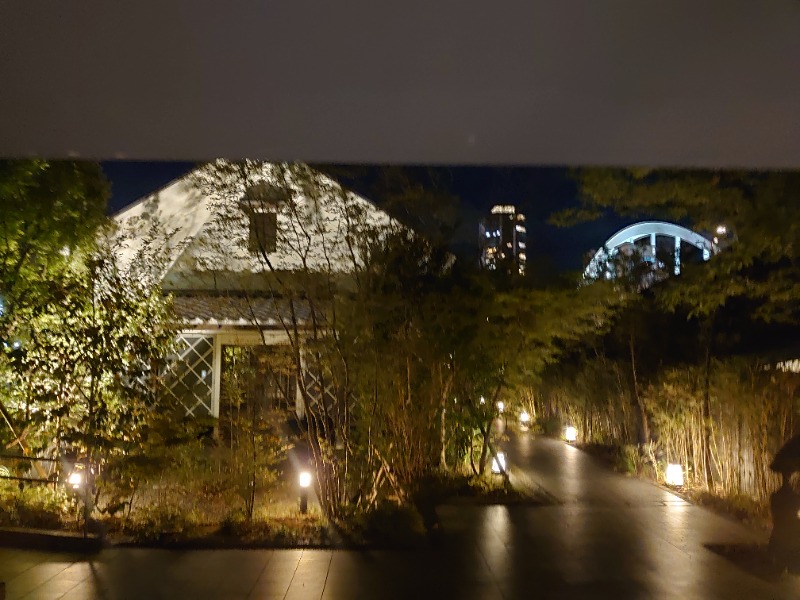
(627, 459)
(161, 523)
(286, 530)
(34, 506)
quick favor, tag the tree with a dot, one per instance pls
(86, 372)
(373, 319)
(49, 210)
(313, 255)
(752, 217)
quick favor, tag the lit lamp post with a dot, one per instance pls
(570, 434)
(78, 480)
(524, 419)
(304, 479)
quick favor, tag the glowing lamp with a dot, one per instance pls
(674, 475)
(75, 479)
(524, 417)
(570, 434)
(483, 400)
(304, 479)
(501, 407)
(499, 463)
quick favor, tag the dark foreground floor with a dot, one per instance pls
(607, 536)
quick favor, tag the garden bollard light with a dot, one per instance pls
(305, 481)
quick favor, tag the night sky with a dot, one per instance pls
(536, 191)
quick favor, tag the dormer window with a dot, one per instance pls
(263, 232)
(261, 203)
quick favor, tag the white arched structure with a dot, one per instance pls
(600, 265)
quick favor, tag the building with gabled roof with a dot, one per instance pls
(223, 242)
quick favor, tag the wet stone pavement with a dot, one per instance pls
(605, 536)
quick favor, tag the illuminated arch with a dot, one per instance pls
(599, 265)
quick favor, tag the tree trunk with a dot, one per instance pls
(485, 446)
(638, 404)
(709, 480)
(443, 436)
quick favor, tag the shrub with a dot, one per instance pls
(627, 460)
(162, 523)
(34, 506)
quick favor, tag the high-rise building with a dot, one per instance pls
(503, 239)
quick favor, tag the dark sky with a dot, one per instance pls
(536, 191)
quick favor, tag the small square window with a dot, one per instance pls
(263, 232)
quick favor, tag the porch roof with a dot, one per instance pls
(237, 311)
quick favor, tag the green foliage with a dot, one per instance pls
(627, 459)
(86, 337)
(163, 523)
(36, 506)
(50, 209)
(86, 372)
(759, 261)
(284, 530)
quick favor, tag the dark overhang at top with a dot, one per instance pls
(705, 83)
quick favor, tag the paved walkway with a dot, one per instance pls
(607, 536)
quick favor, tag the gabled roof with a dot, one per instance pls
(175, 213)
(200, 232)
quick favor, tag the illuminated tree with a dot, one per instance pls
(49, 210)
(85, 375)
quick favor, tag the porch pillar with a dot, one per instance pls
(216, 379)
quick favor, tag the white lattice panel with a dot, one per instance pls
(190, 374)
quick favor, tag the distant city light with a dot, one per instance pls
(499, 463)
(503, 209)
(570, 434)
(722, 230)
(674, 475)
